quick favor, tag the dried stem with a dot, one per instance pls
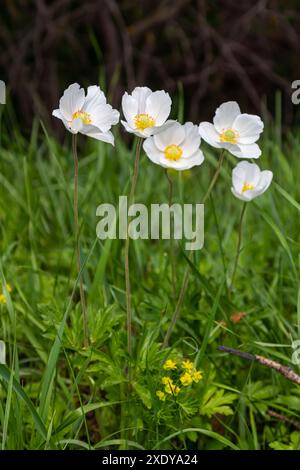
(281, 369)
(284, 419)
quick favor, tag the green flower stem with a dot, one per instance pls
(127, 268)
(172, 255)
(238, 250)
(187, 271)
(215, 177)
(77, 243)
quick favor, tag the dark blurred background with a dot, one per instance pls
(215, 50)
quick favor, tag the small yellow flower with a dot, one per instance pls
(170, 364)
(2, 296)
(187, 365)
(172, 389)
(161, 395)
(197, 376)
(186, 379)
(166, 380)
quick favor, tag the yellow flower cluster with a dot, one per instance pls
(170, 387)
(190, 375)
(170, 364)
(185, 373)
(2, 296)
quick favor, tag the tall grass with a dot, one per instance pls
(55, 394)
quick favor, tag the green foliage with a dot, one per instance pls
(56, 394)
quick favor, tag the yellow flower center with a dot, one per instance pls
(229, 135)
(142, 121)
(247, 187)
(85, 117)
(173, 152)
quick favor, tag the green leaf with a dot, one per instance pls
(205, 432)
(144, 394)
(5, 373)
(217, 401)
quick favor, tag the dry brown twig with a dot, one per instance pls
(284, 419)
(281, 369)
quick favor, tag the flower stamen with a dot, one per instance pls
(173, 152)
(247, 187)
(230, 136)
(85, 117)
(143, 121)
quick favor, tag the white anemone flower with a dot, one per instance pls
(145, 111)
(248, 181)
(176, 146)
(88, 114)
(233, 131)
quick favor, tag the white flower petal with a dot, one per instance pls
(192, 140)
(183, 163)
(71, 101)
(104, 116)
(195, 160)
(242, 196)
(245, 172)
(140, 95)
(143, 134)
(179, 165)
(225, 115)
(246, 151)
(152, 152)
(208, 133)
(249, 128)
(173, 134)
(94, 98)
(130, 109)
(266, 177)
(95, 133)
(149, 131)
(158, 106)
(76, 125)
(127, 127)
(159, 129)
(57, 113)
(106, 137)
(250, 173)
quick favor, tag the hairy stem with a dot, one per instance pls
(127, 267)
(76, 230)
